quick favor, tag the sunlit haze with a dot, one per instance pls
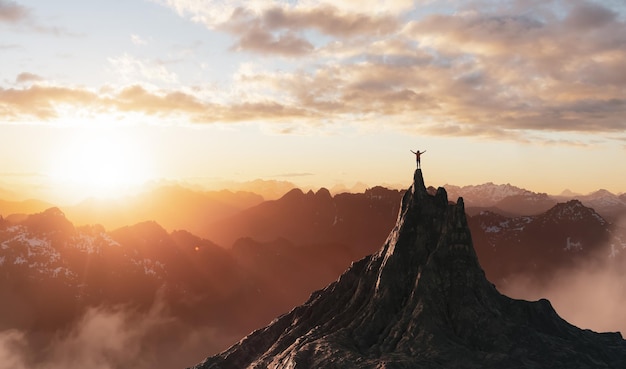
(99, 97)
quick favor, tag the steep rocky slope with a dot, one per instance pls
(422, 301)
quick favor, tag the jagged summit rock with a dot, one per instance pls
(422, 301)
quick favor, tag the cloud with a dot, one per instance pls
(592, 293)
(131, 69)
(536, 71)
(256, 39)
(12, 12)
(12, 343)
(279, 28)
(137, 99)
(590, 297)
(137, 40)
(48, 103)
(23, 17)
(589, 16)
(508, 69)
(259, 40)
(215, 13)
(114, 338)
(329, 20)
(303, 174)
(41, 102)
(506, 72)
(26, 77)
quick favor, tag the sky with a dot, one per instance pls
(97, 96)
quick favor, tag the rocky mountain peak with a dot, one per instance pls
(52, 220)
(601, 193)
(421, 301)
(295, 193)
(323, 193)
(428, 230)
(573, 210)
(487, 194)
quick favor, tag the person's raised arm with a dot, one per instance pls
(423, 151)
(413, 151)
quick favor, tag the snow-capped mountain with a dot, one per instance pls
(59, 270)
(606, 203)
(542, 244)
(487, 194)
(504, 199)
(45, 253)
(509, 200)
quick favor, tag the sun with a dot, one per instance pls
(98, 163)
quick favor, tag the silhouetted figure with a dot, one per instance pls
(417, 157)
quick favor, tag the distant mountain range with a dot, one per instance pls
(201, 212)
(239, 251)
(173, 207)
(20, 208)
(51, 272)
(360, 220)
(513, 201)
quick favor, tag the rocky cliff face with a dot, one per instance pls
(421, 301)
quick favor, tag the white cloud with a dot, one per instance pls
(131, 70)
(137, 40)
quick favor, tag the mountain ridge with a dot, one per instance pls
(197, 210)
(421, 301)
(50, 267)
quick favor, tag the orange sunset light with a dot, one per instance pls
(174, 174)
(98, 162)
(329, 93)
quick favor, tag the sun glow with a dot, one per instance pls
(99, 163)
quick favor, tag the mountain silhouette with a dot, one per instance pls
(360, 221)
(173, 207)
(51, 271)
(422, 301)
(8, 207)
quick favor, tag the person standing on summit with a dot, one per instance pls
(417, 157)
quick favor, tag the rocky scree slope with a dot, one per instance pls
(422, 301)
